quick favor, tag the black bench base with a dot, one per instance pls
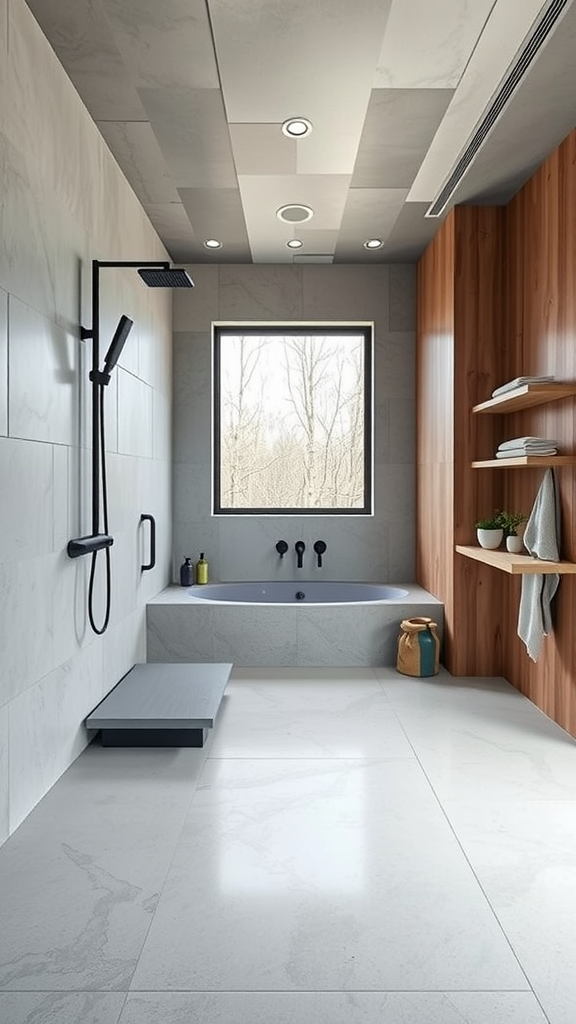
(153, 737)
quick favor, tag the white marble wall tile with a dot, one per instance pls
(176, 635)
(124, 646)
(155, 498)
(125, 572)
(155, 337)
(70, 250)
(47, 731)
(26, 617)
(64, 1007)
(26, 508)
(60, 496)
(161, 426)
(39, 100)
(196, 308)
(256, 636)
(134, 416)
(260, 292)
(3, 362)
(346, 292)
(69, 589)
(65, 201)
(402, 311)
(4, 773)
(26, 269)
(42, 390)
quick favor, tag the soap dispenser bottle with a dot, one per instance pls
(201, 569)
(186, 573)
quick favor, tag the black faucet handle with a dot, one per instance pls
(320, 548)
(300, 548)
(281, 548)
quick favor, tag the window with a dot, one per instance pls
(292, 419)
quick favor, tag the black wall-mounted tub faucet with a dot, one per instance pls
(300, 549)
(320, 548)
(281, 548)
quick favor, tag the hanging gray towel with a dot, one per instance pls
(542, 539)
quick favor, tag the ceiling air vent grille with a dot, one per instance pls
(507, 89)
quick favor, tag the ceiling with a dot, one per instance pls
(190, 96)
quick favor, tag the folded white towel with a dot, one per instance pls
(528, 442)
(541, 538)
(515, 453)
(519, 382)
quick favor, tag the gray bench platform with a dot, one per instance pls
(161, 705)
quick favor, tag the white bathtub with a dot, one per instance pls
(296, 592)
(335, 628)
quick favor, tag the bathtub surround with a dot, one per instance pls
(183, 629)
(65, 202)
(371, 548)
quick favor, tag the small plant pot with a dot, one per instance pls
(514, 544)
(490, 539)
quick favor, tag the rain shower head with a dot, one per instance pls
(170, 277)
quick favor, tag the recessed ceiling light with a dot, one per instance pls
(373, 243)
(294, 243)
(297, 127)
(212, 243)
(294, 213)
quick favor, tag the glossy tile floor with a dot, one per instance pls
(351, 847)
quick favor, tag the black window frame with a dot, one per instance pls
(364, 329)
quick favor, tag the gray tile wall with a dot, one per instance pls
(63, 203)
(241, 548)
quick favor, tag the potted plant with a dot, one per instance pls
(490, 531)
(510, 523)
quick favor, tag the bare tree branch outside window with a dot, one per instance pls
(292, 419)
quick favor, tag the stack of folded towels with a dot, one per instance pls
(518, 382)
(526, 446)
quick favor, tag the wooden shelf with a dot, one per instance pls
(526, 461)
(527, 396)
(515, 564)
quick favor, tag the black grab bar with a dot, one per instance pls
(146, 517)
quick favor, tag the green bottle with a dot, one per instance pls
(201, 569)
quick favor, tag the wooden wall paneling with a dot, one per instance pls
(541, 326)
(434, 422)
(478, 333)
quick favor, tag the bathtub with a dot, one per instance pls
(294, 592)
(346, 624)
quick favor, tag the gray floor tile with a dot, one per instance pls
(332, 1008)
(61, 1007)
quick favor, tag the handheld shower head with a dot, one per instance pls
(122, 331)
(169, 277)
(125, 325)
